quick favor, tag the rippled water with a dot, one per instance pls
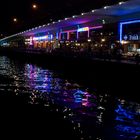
(92, 115)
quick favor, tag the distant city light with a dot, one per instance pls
(82, 14)
(103, 39)
(120, 3)
(34, 6)
(89, 40)
(15, 19)
(103, 21)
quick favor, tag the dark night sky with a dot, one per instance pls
(48, 9)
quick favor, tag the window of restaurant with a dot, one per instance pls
(40, 43)
(108, 33)
(83, 36)
(64, 36)
(73, 36)
(95, 35)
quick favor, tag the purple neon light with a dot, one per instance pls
(69, 31)
(77, 30)
(95, 27)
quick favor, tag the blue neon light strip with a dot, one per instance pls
(120, 32)
(123, 23)
(57, 35)
(47, 37)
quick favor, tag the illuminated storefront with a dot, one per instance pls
(130, 36)
(39, 41)
(80, 34)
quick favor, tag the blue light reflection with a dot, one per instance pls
(127, 119)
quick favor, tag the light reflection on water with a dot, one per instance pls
(46, 82)
(93, 115)
(127, 119)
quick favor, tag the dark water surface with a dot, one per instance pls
(38, 102)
